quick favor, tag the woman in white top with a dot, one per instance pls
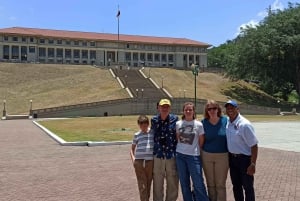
(190, 138)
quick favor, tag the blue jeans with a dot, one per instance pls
(189, 167)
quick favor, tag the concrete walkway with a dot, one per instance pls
(34, 167)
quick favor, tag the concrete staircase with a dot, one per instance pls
(139, 86)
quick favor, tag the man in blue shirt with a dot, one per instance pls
(163, 126)
(242, 147)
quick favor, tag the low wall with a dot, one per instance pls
(134, 106)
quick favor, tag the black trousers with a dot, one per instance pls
(241, 181)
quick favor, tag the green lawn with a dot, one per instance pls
(119, 128)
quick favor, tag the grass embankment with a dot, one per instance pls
(119, 128)
(52, 85)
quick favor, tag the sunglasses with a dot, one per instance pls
(211, 108)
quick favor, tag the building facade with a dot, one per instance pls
(19, 44)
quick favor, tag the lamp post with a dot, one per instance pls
(137, 92)
(149, 72)
(30, 109)
(184, 93)
(162, 81)
(195, 70)
(4, 109)
(142, 92)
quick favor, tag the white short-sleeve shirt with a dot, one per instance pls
(240, 136)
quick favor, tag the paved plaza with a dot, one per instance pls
(34, 167)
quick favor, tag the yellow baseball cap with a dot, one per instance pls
(165, 102)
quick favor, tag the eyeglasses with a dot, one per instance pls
(211, 108)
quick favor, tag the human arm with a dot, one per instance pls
(201, 140)
(132, 151)
(251, 168)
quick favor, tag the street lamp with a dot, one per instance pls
(149, 73)
(137, 92)
(162, 81)
(195, 70)
(4, 109)
(142, 93)
(30, 109)
(184, 93)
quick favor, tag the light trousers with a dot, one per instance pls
(215, 167)
(143, 171)
(165, 168)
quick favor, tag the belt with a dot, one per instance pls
(238, 155)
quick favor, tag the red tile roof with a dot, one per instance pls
(101, 36)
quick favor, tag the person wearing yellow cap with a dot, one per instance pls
(163, 127)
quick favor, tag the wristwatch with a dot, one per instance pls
(253, 164)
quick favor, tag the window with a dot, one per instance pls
(68, 53)
(42, 52)
(92, 43)
(149, 57)
(68, 42)
(84, 43)
(76, 54)
(15, 52)
(24, 39)
(42, 40)
(15, 39)
(156, 57)
(127, 45)
(135, 56)
(164, 57)
(31, 39)
(128, 56)
(84, 54)
(51, 41)
(50, 52)
(142, 56)
(59, 42)
(92, 54)
(5, 52)
(76, 43)
(171, 57)
(31, 49)
(59, 52)
(6, 38)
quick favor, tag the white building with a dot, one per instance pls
(19, 44)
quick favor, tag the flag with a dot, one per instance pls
(118, 14)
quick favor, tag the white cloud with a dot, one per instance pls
(277, 5)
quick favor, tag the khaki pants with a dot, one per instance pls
(143, 171)
(165, 168)
(215, 166)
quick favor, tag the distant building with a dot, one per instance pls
(19, 44)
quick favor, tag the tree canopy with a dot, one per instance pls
(268, 54)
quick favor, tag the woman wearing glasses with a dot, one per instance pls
(214, 152)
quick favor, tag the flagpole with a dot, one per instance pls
(118, 15)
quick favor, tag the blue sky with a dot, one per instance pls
(209, 21)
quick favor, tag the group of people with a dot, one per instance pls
(176, 151)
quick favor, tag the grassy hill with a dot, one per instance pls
(49, 85)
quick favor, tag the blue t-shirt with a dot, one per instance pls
(215, 136)
(164, 136)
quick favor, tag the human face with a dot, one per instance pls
(164, 110)
(144, 126)
(188, 112)
(212, 110)
(232, 112)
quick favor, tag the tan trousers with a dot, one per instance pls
(215, 166)
(165, 168)
(143, 171)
